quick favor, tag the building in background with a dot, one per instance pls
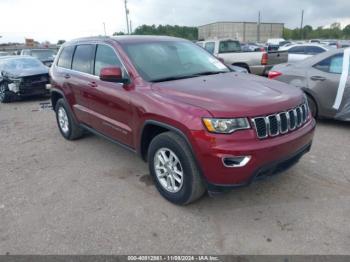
(242, 31)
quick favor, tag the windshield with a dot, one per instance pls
(19, 64)
(43, 54)
(158, 61)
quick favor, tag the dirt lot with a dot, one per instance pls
(91, 196)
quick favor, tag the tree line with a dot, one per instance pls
(333, 32)
(191, 33)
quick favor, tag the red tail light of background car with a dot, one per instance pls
(264, 59)
(274, 74)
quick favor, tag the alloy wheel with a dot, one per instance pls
(168, 169)
(63, 120)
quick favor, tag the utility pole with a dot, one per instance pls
(301, 24)
(127, 16)
(130, 27)
(104, 28)
(258, 28)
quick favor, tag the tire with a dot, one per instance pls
(191, 186)
(67, 125)
(6, 96)
(312, 106)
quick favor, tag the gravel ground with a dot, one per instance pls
(93, 197)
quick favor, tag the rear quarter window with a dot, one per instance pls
(65, 59)
(333, 64)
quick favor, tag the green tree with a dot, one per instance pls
(61, 42)
(346, 31)
(187, 32)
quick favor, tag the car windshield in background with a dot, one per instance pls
(170, 60)
(229, 46)
(43, 54)
(19, 63)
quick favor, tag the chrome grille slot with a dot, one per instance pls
(260, 127)
(304, 112)
(274, 125)
(284, 123)
(299, 116)
(280, 123)
(292, 120)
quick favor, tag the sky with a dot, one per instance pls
(51, 20)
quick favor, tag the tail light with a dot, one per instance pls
(274, 74)
(264, 59)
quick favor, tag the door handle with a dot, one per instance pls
(318, 78)
(66, 76)
(92, 84)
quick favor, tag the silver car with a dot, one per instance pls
(320, 78)
(298, 52)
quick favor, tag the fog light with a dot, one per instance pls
(235, 161)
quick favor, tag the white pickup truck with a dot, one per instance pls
(258, 63)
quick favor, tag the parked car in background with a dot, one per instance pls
(315, 41)
(251, 47)
(319, 78)
(230, 51)
(275, 41)
(300, 52)
(200, 126)
(22, 76)
(46, 56)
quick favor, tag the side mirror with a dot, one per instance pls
(113, 74)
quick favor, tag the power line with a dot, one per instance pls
(301, 24)
(127, 16)
(258, 29)
(104, 28)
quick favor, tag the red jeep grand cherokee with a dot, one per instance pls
(199, 125)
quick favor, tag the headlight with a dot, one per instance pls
(225, 126)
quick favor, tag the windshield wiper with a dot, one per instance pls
(188, 76)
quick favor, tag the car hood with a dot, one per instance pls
(26, 72)
(232, 94)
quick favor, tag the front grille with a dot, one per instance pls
(281, 123)
(35, 80)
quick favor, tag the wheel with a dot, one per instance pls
(174, 169)
(312, 106)
(6, 96)
(69, 129)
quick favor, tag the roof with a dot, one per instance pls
(15, 56)
(122, 39)
(242, 22)
(306, 44)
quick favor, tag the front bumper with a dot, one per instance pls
(265, 171)
(268, 156)
(30, 89)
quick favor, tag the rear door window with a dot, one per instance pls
(210, 47)
(83, 58)
(65, 59)
(313, 50)
(105, 57)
